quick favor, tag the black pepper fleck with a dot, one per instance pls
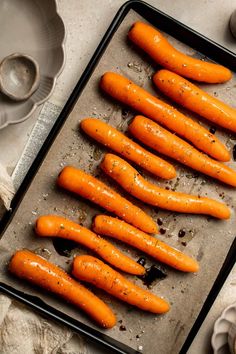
(182, 233)
(162, 231)
(122, 328)
(212, 130)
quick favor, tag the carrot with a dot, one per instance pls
(38, 271)
(92, 270)
(120, 230)
(136, 185)
(169, 144)
(113, 139)
(89, 187)
(158, 47)
(56, 226)
(192, 97)
(128, 93)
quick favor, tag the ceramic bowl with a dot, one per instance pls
(232, 23)
(35, 28)
(19, 76)
(224, 334)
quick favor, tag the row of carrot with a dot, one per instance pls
(165, 142)
(89, 187)
(160, 140)
(39, 271)
(127, 92)
(29, 266)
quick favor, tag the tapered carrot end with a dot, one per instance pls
(110, 81)
(85, 121)
(39, 226)
(150, 227)
(110, 322)
(133, 26)
(227, 75)
(136, 26)
(61, 176)
(140, 270)
(16, 265)
(167, 308)
(154, 230)
(193, 266)
(156, 76)
(171, 172)
(216, 209)
(220, 210)
(65, 175)
(48, 225)
(163, 307)
(196, 267)
(222, 154)
(107, 82)
(106, 76)
(223, 212)
(186, 264)
(13, 265)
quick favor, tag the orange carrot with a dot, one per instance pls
(166, 143)
(35, 269)
(89, 187)
(120, 230)
(158, 47)
(94, 271)
(192, 97)
(113, 139)
(128, 93)
(135, 184)
(56, 226)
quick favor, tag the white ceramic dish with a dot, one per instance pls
(224, 334)
(35, 28)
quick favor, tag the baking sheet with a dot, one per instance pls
(206, 239)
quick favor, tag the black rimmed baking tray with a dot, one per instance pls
(210, 241)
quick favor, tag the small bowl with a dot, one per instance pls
(224, 334)
(232, 23)
(232, 338)
(19, 76)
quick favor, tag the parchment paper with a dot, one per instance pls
(206, 239)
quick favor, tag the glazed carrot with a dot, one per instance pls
(135, 184)
(158, 47)
(57, 226)
(92, 270)
(38, 271)
(89, 187)
(128, 93)
(169, 144)
(115, 140)
(192, 97)
(120, 230)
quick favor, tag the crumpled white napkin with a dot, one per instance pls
(23, 331)
(7, 190)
